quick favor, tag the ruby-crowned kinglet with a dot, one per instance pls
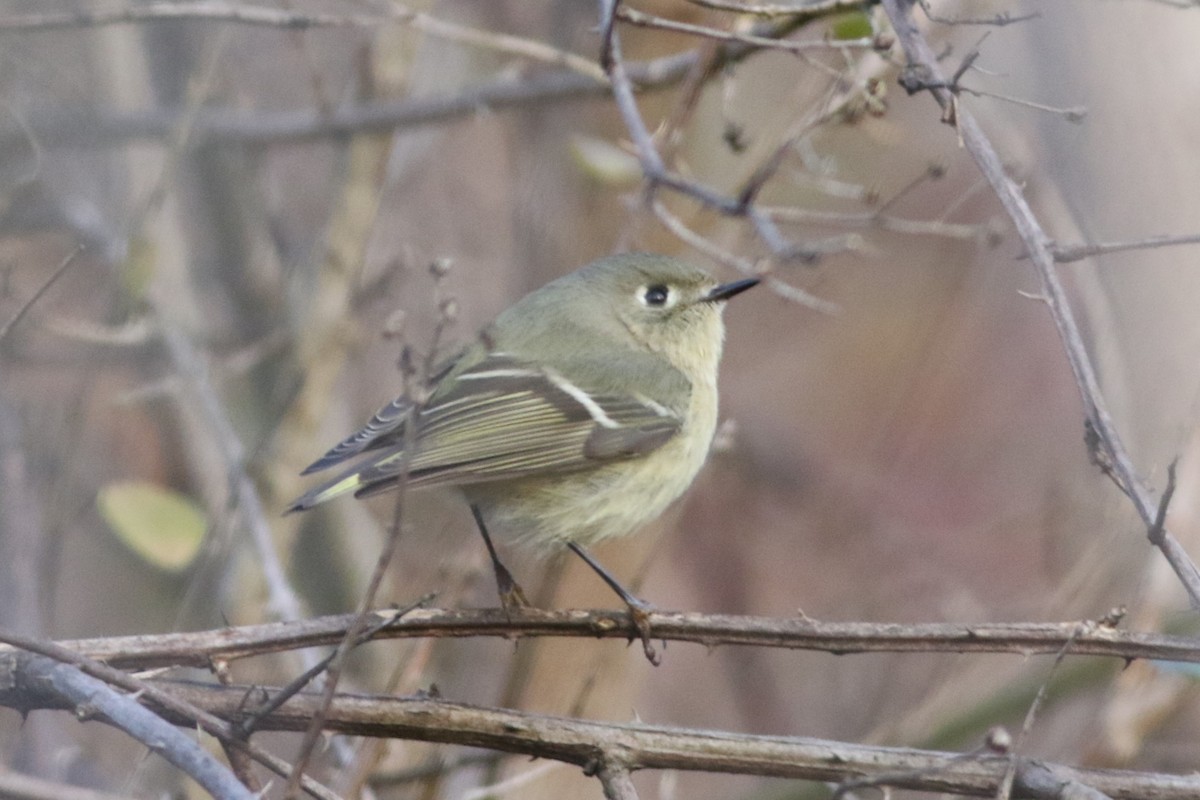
(581, 413)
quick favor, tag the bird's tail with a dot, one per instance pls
(341, 485)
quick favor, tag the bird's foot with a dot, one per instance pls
(512, 596)
(639, 614)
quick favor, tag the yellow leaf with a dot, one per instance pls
(604, 162)
(853, 26)
(160, 525)
(138, 269)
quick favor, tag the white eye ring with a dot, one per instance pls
(656, 295)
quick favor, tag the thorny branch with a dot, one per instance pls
(1065, 254)
(923, 72)
(587, 744)
(93, 698)
(202, 648)
(166, 703)
(612, 752)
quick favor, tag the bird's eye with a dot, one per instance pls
(656, 295)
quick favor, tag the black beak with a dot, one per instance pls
(728, 290)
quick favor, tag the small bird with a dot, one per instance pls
(578, 415)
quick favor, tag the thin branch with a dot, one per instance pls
(531, 49)
(219, 12)
(852, 786)
(360, 628)
(813, 9)
(998, 20)
(201, 648)
(190, 367)
(655, 171)
(875, 220)
(45, 287)
(685, 234)
(1069, 113)
(91, 127)
(1034, 779)
(1064, 254)
(586, 743)
(246, 727)
(924, 73)
(1038, 779)
(1164, 505)
(614, 777)
(750, 190)
(180, 709)
(608, 23)
(1035, 707)
(91, 697)
(417, 386)
(955, 86)
(644, 20)
(201, 11)
(745, 266)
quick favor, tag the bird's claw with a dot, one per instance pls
(639, 615)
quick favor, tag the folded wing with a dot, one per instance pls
(498, 420)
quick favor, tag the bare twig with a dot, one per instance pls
(201, 648)
(1038, 779)
(614, 777)
(288, 19)
(998, 20)
(417, 387)
(247, 726)
(191, 368)
(656, 172)
(358, 631)
(93, 698)
(813, 9)
(955, 86)
(608, 22)
(180, 710)
(924, 72)
(1077, 252)
(82, 126)
(642, 19)
(873, 219)
(852, 786)
(750, 190)
(45, 287)
(1035, 707)
(199, 11)
(585, 744)
(1068, 113)
(1164, 504)
(746, 267)
(78, 126)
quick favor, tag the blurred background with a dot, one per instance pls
(259, 207)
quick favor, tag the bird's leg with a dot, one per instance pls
(511, 594)
(639, 609)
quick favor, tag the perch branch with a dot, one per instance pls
(202, 648)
